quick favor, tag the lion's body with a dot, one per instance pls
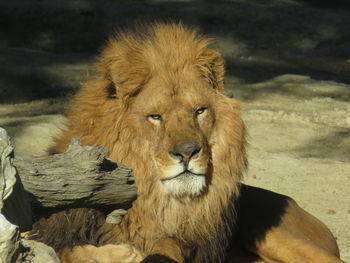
(169, 71)
(158, 107)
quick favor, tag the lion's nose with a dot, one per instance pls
(185, 152)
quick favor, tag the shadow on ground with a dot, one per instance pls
(46, 46)
(332, 147)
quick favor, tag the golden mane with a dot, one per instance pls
(101, 114)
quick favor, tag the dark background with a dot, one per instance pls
(47, 46)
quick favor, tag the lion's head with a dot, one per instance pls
(159, 108)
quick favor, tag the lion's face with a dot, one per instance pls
(159, 108)
(177, 121)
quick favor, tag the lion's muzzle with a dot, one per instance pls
(186, 172)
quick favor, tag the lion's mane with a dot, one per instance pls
(98, 114)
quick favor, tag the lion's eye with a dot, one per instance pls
(200, 111)
(155, 117)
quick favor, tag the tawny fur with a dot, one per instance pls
(118, 253)
(167, 69)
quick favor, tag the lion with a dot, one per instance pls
(158, 106)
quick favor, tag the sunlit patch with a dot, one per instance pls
(186, 184)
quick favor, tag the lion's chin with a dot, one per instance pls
(186, 184)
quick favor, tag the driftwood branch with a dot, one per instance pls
(82, 176)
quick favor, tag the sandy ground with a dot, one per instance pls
(288, 63)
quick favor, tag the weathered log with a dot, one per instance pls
(81, 177)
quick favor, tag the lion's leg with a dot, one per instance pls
(274, 227)
(282, 245)
(105, 254)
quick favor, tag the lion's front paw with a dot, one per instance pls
(156, 258)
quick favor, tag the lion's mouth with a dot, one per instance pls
(186, 183)
(185, 174)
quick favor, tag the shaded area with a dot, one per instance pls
(334, 147)
(335, 4)
(26, 85)
(65, 228)
(84, 25)
(28, 75)
(259, 39)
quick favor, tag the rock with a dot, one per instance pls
(116, 216)
(9, 233)
(9, 241)
(7, 171)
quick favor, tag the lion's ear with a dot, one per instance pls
(124, 70)
(213, 68)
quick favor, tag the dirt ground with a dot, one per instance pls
(288, 62)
